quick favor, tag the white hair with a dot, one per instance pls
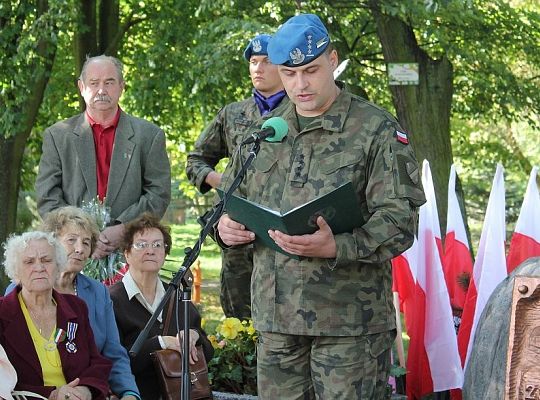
(16, 244)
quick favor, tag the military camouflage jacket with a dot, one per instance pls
(220, 138)
(353, 141)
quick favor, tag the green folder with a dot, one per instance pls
(339, 208)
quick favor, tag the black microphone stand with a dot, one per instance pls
(179, 276)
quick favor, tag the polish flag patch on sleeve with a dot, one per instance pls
(402, 137)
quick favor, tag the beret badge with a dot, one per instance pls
(296, 56)
(257, 47)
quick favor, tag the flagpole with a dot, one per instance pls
(399, 335)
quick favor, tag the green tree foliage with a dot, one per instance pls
(184, 61)
(480, 146)
(29, 33)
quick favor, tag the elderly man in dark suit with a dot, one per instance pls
(104, 153)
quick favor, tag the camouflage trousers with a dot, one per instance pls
(235, 277)
(291, 367)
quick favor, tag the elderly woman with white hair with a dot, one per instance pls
(46, 334)
(77, 232)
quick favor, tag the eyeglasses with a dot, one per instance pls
(158, 244)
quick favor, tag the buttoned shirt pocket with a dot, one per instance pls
(341, 168)
(263, 168)
(263, 164)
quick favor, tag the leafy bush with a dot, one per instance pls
(234, 365)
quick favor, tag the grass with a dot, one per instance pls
(209, 259)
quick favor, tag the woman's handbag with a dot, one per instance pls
(168, 365)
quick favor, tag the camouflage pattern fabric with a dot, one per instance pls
(219, 140)
(235, 279)
(355, 141)
(354, 367)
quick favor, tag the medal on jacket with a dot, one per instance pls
(59, 335)
(71, 331)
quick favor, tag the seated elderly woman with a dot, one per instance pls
(146, 243)
(78, 233)
(46, 334)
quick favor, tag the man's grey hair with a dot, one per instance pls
(16, 244)
(113, 60)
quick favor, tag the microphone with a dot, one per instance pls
(273, 130)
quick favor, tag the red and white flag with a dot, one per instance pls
(457, 260)
(433, 362)
(404, 280)
(489, 267)
(526, 238)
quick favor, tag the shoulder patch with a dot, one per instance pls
(402, 137)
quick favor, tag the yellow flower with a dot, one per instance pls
(213, 341)
(230, 328)
(250, 329)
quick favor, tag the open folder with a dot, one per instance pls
(339, 208)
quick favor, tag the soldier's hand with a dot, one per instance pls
(232, 233)
(320, 244)
(213, 179)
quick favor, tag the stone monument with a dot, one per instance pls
(485, 375)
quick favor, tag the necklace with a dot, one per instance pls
(48, 345)
(42, 326)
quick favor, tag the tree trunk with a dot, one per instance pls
(109, 22)
(85, 40)
(85, 37)
(12, 144)
(98, 32)
(11, 153)
(423, 109)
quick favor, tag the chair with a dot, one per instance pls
(25, 395)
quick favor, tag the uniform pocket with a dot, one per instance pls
(259, 179)
(378, 343)
(337, 161)
(404, 175)
(264, 164)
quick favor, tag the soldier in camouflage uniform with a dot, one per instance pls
(326, 321)
(218, 141)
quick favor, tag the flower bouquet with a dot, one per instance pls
(234, 365)
(102, 269)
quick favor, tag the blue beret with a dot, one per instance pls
(257, 46)
(299, 41)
